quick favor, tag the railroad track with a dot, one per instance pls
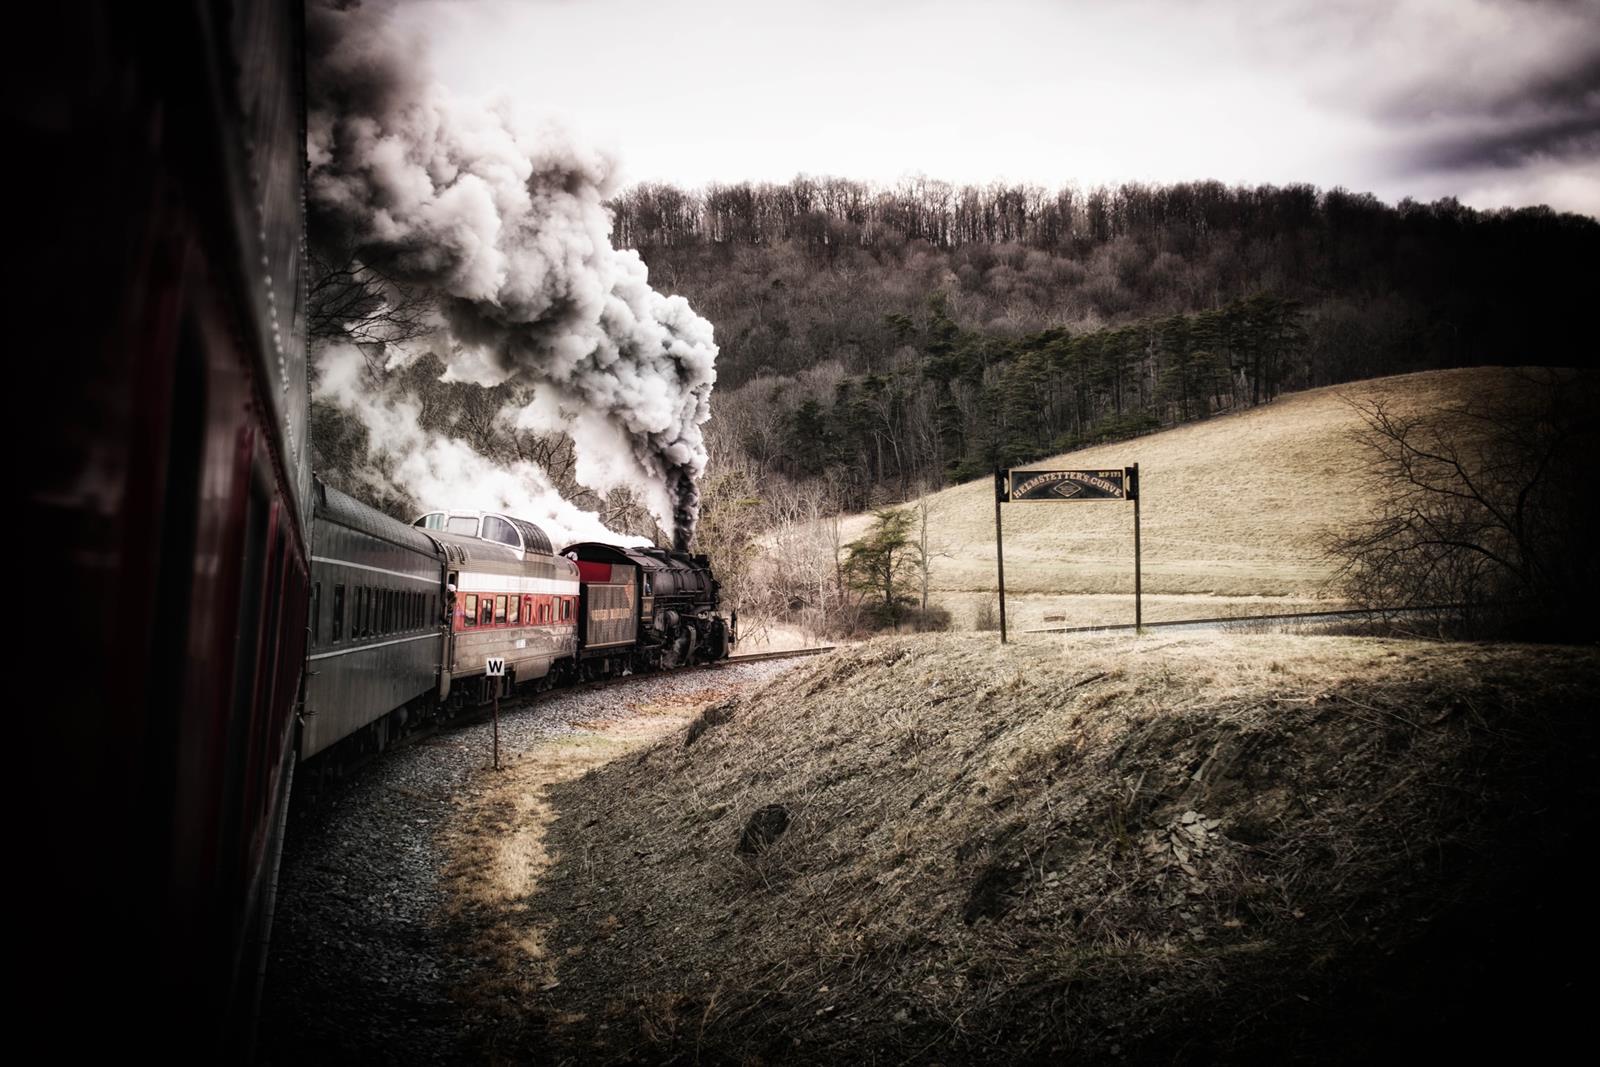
(788, 654)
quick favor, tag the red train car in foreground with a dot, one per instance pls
(157, 210)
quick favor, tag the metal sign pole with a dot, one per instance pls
(1138, 591)
(497, 725)
(999, 550)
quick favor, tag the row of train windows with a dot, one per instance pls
(498, 609)
(366, 611)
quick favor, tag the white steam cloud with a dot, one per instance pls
(443, 472)
(511, 234)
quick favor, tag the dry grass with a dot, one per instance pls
(498, 853)
(1234, 507)
(1149, 848)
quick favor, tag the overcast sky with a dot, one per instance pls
(1495, 102)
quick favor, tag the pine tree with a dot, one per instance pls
(882, 563)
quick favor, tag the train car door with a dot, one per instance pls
(453, 620)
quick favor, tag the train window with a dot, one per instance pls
(566, 609)
(527, 610)
(338, 612)
(433, 520)
(316, 613)
(463, 524)
(513, 615)
(486, 612)
(497, 529)
(499, 609)
(470, 616)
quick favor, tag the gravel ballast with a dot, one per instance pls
(361, 966)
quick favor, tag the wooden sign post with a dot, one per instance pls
(1067, 486)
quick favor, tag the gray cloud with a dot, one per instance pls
(1485, 90)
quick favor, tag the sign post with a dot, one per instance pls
(1067, 486)
(1138, 568)
(495, 667)
(999, 548)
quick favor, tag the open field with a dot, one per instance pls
(1234, 512)
(932, 849)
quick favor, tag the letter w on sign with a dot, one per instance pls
(496, 667)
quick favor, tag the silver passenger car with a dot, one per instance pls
(377, 623)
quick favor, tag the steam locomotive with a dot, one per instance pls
(404, 619)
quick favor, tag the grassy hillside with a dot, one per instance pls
(1233, 514)
(934, 849)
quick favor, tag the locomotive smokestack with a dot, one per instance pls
(510, 231)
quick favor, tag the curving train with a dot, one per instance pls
(403, 619)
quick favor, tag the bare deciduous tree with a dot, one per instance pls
(347, 300)
(1487, 506)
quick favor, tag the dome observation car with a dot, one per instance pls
(518, 534)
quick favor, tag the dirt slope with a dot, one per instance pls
(1233, 515)
(1260, 848)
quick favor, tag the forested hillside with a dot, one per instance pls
(894, 338)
